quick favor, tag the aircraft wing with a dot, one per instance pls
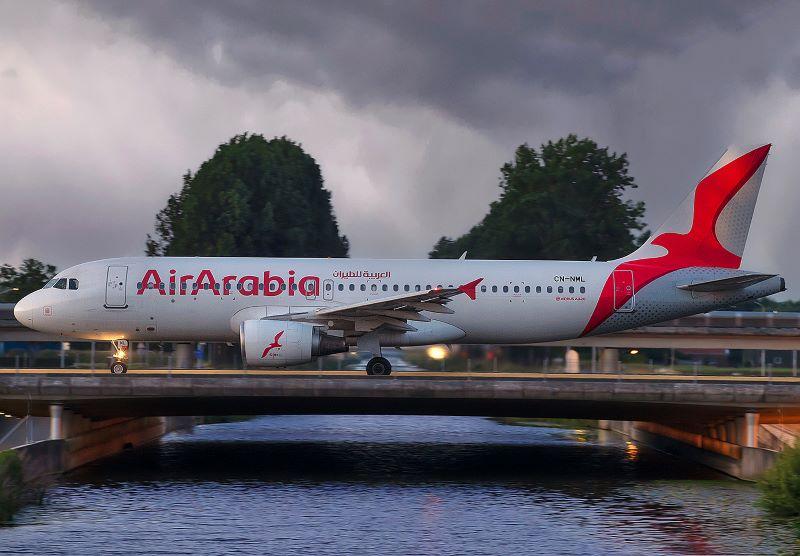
(392, 311)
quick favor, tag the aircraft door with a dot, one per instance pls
(327, 290)
(116, 286)
(624, 291)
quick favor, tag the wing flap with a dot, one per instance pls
(393, 311)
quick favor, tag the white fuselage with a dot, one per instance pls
(175, 298)
(517, 301)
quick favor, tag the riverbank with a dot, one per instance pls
(548, 423)
(15, 491)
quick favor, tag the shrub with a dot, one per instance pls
(11, 485)
(780, 486)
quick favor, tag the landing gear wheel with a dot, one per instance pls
(379, 366)
(119, 368)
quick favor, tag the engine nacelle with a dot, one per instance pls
(279, 343)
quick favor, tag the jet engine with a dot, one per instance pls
(279, 343)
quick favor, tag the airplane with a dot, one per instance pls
(285, 311)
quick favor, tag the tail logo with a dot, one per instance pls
(274, 345)
(699, 247)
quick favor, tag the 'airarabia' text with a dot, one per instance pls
(267, 284)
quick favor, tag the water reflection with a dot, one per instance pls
(377, 485)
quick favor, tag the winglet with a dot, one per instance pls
(469, 288)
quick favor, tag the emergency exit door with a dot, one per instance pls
(116, 286)
(624, 291)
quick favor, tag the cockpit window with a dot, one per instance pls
(51, 283)
(73, 283)
(61, 284)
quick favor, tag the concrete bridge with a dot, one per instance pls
(734, 423)
(679, 399)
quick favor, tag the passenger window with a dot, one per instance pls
(505, 289)
(385, 287)
(494, 289)
(428, 287)
(352, 287)
(294, 287)
(538, 289)
(483, 289)
(583, 290)
(571, 289)
(374, 287)
(527, 289)
(417, 287)
(549, 289)
(328, 287)
(396, 287)
(283, 287)
(560, 289)
(61, 284)
(363, 287)
(516, 289)
(341, 287)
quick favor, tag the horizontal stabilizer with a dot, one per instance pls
(725, 284)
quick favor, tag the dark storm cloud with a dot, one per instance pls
(409, 107)
(467, 59)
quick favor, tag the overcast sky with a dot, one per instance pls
(409, 107)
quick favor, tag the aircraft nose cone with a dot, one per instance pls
(23, 310)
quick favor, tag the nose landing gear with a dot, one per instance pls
(118, 365)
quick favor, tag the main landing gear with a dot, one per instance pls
(118, 365)
(379, 366)
(118, 368)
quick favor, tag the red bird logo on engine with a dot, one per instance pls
(273, 345)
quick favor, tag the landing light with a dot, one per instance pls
(633, 351)
(437, 352)
(120, 354)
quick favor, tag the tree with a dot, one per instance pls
(29, 277)
(564, 201)
(254, 197)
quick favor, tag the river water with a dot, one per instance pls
(339, 485)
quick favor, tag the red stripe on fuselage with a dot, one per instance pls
(699, 246)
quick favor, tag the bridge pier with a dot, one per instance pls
(183, 355)
(75, 440)
(56, 424)
(731, 446)
(609, 360)
(572, 361)
(751, 429)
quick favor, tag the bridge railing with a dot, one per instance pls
(536, 360)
